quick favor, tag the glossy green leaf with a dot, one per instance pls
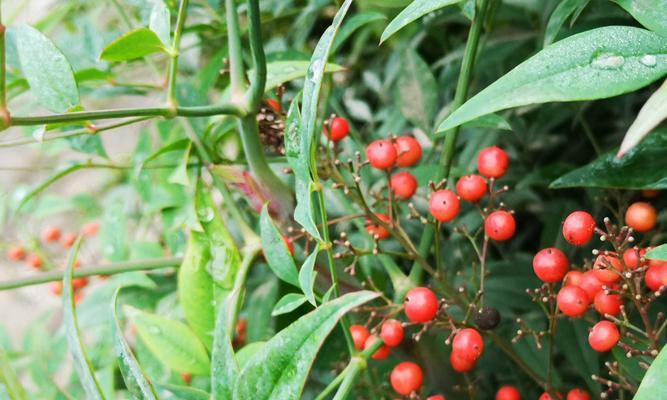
(279, 259)
(652, 387)
(414, 11)
(651, 115)
(658, 253)
(280, 72)
(180, 174)
(643, 167)
(260, 304)
(650, 13)
(416, 90)
(246, 352)
(600, 63)
(224, 368)
(280, 370)
(132, 45)
(48, 72)
(160, 22)
(288, 303)
(172, 342)
(82, 365)
(182, 392)
(489, 121)
(353, 24)
(564, 9)
(307, 276)
(8, 378)
(196, 288)
(135, 378)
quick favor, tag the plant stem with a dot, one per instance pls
(176, 43)
(258, 81)
(236, 70)
(109, 269)
(236, 295)
(347, 377)
(4, 113)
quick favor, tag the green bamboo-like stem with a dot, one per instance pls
(258, 81)
(236, 69)
(4, 113)
(84, 271)
(176, 43)
(236, 296)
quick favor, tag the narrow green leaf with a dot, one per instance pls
(132, 45)
(224, 368)
(414, 11)
(9, 379)
(246, 352)
(416, 90)
(180, 174)
(160, 22)
(183, 392)
(135, 379)
(280, 370)
(658, 253)
(279, 259)
(288, 303)
(48, 182)
(652, 386)
(595, 64)
(195, 288)
(564, 9)
(651, 114)
(307, 276)
(172, 342)
(82, 365)
(355, 22)
(489, 121)
(650, 13)
(279, 72)
(643, 167)
(46, 69)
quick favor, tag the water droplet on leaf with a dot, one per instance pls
(608, 61)
(649, 60)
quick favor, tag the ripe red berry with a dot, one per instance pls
(377, 229)
(34, 261)
(607, 268)
(403, 184)
(604, 336)
(406, 377)
(578, 228)
(500, 225)
(381, 154)
(408, 151)
(187, 378)
(79, 283)
(91, 228)
(274, 104)
(547, 396)
(656, 276)
(508, 392)
(16, 253)
(460, 364)
(578, 394)
(468, 344)
(632, 257)
(471, 188)
(289, 245)
(421, 304)
(572, 301)
(573, 278)
(338, 130)
(51, 234)
(607, 303)
(68, 240)
(381, 353)
(493, 162)
(392, 332)
(56, 287)
(444, 205)
(591, 284)
(641, 216)
(359, 335)
(550, 265)
(436, 397)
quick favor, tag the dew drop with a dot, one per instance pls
(608, 61)
(649, 60)
(154, 329)
(206, 214)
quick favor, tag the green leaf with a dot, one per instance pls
(643, 167)
(246, 352)
(279, 72)
(650, 13)
(9, 379)
(355, 22)
(132, 45)
(82, 365)
(412, 12)
(658, 253)
(195, 288)
(652, 386)
(651, 114)
(46, 69)
(135, 380)
(172, 342)
(288, 303)
(260, 303)
(573, 343)
(183, 392)
(180, 174)
(280, 370)
(595, 64)
(564, 9)
(416, 90)
(160, 22)
(280, 261)
(307, 276)
(48, 182)
(224, 368)
(489, 121)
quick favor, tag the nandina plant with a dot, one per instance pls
(329, 200)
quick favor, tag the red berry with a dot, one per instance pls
(656, 277)
(16, 253)
(591, 284)
(377, 230)
(604, 336)
(51, 234)
(468, 344)
(338, 130)
(460, 364)
(34, 261)
(607, 303)
(550, 265)
(68, 240)
(607, 268)
(547, 396)
(381, 154)
(403, 184)
(632, 257)
(578, 394)
(493, 162)
(274, 104)
(444, 205)
(406, 377)
(471, 188)
(641, 216)
(289, 245)
(392, 332)
(187, 378)
(572, 301)
(578, 228)
(79, 283)
(500, 225)
(381, 353)
(56, 287)
(421, 304)
(409, 151)
(573, 278)
(508, 392)
(436, 397)
(359, 335)
(91, 228)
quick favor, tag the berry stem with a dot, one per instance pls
(173, 63)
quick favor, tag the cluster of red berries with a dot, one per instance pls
(574, 394)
